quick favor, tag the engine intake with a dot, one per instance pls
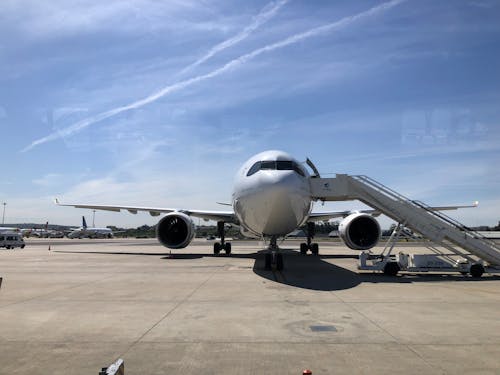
(175, 230)
(359, 231)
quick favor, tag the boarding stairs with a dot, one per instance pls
(433, 225)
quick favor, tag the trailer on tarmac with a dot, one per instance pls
(416, 263)
(436, 261)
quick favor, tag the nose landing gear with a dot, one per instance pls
(219, 246)
(273, 258)
(311, 231)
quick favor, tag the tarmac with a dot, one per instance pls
(83, 304)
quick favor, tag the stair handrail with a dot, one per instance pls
(471, 232)
(455, 223)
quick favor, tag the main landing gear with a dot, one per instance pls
(221, 246)
(311, 231)
(273, 258)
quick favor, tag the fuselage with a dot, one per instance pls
(91, 232)
(271, 194)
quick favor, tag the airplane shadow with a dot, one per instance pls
(308, 271)
(170, 256)
(162, 255)
(315, 273)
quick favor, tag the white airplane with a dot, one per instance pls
(271, 198)
(9, 229)
(93, 232)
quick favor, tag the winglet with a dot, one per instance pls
(475, 204)
(56, 201)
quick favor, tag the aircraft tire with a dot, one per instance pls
(227, 248)
(315, 249)
(303, 248)
(476, 270)
(217, 248)
(391, 269)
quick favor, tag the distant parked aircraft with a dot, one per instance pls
(90, 232)
(9, 229)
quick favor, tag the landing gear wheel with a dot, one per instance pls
(314, 249)
(303, 248)
(476, 270)
(217, 248)
(391, 269)
(267, 261)
(222, 245)
(279, 262)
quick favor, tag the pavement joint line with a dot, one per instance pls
(437, 366)
(168, 313)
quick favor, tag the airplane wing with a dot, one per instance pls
(322, 216)
(227, 216)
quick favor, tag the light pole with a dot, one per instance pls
(3, 216)
(93, 220)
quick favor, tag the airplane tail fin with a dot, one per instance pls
(84, 223)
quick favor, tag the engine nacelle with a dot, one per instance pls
(360, 231)
(175, 230)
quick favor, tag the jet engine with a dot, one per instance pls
(175, 230)
(359, 231)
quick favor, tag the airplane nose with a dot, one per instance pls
(277, 181)
(276, 205)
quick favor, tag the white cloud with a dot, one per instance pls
(265, 15)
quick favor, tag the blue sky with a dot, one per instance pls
(159, 102)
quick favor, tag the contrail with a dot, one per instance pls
(265, 15)
(342, 23)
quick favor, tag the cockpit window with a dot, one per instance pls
(281, 165)
(255, 168)
(284, 165)
(268, 165)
